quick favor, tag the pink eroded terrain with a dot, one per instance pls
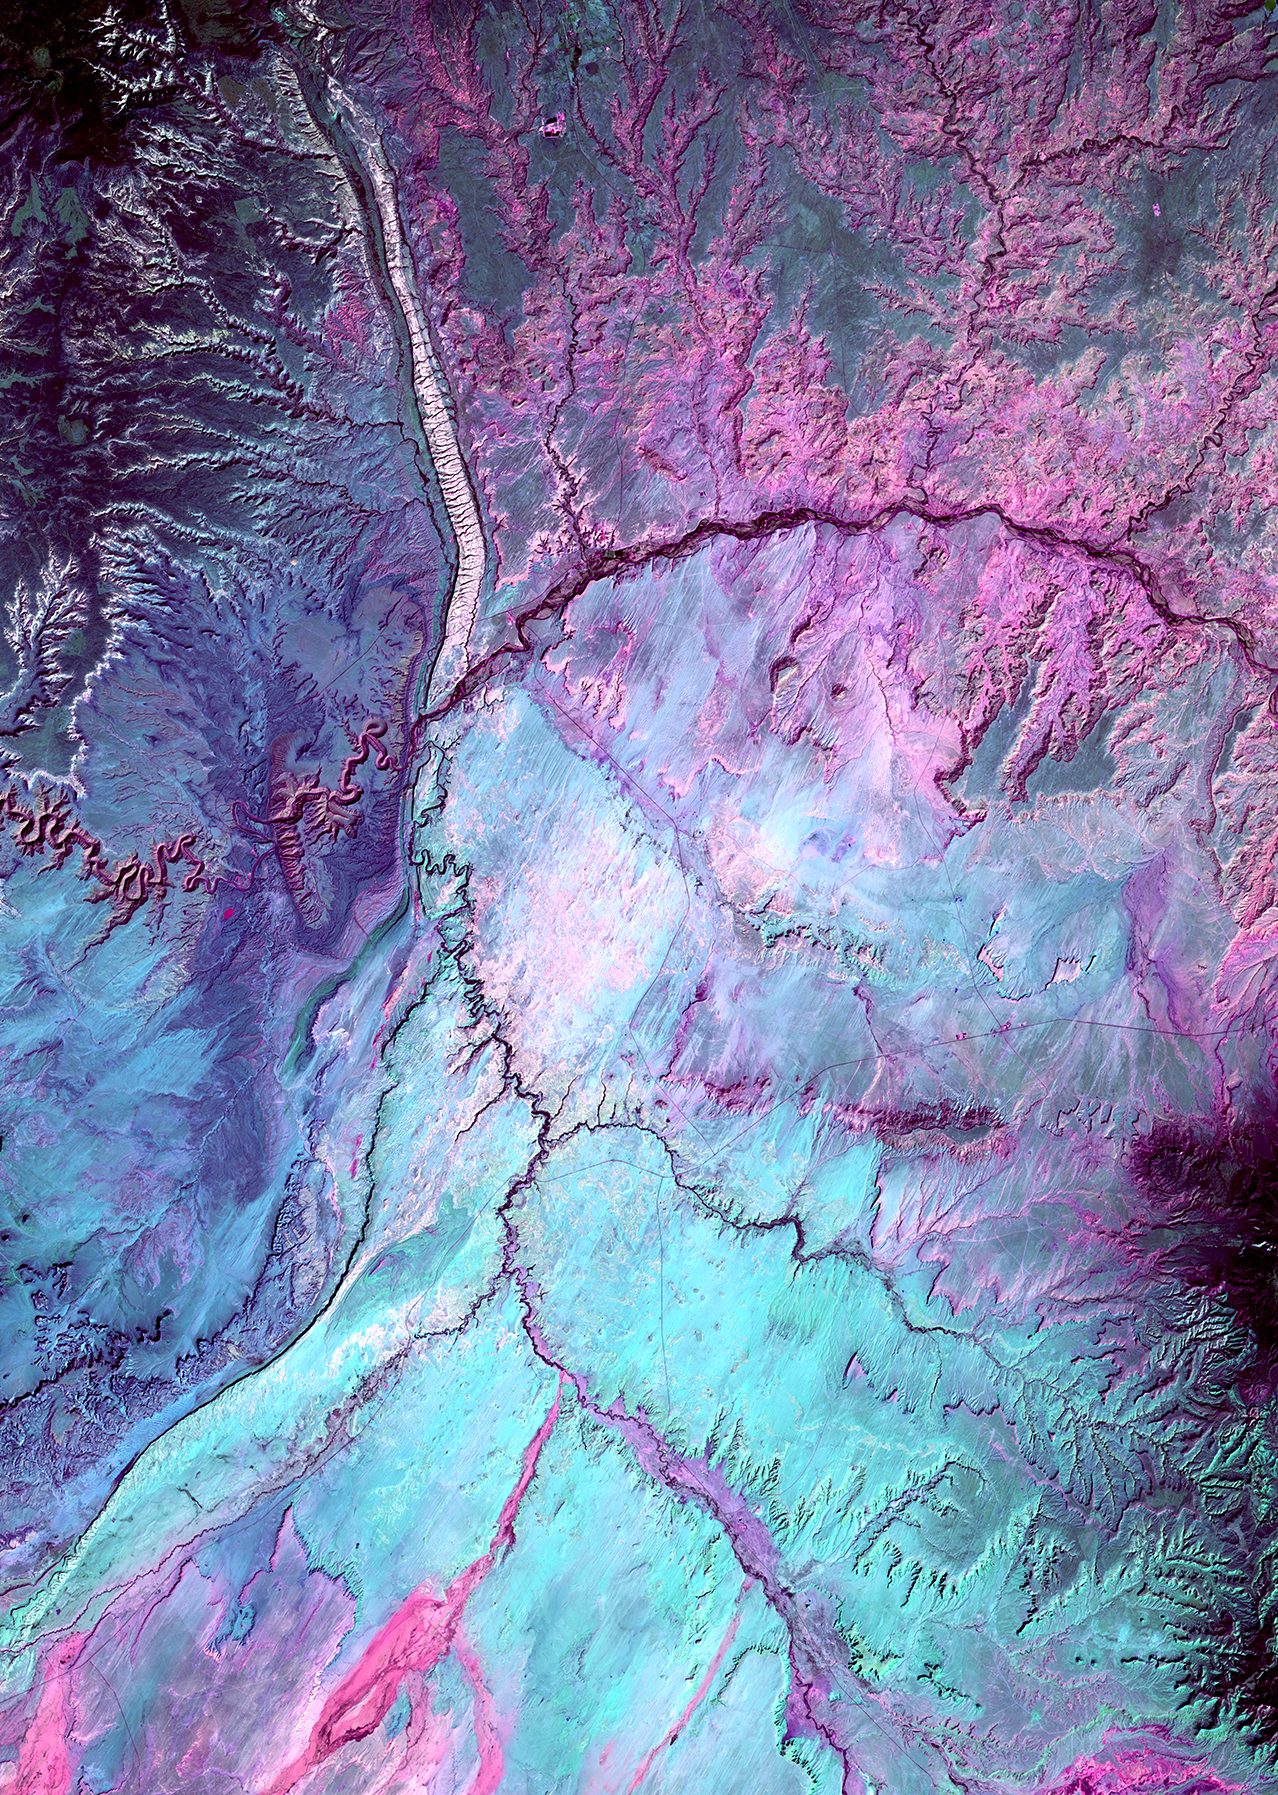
(1036, 491)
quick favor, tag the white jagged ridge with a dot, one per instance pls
(436, 414)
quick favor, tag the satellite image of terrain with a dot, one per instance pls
(638, 897)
